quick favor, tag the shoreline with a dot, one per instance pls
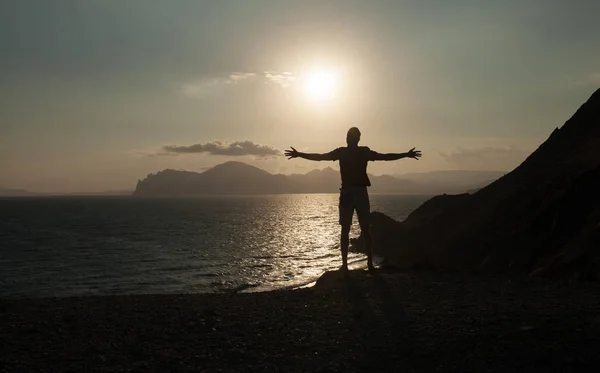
(356, 264)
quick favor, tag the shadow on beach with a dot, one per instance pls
(377, 313)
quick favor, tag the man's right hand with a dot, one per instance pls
(414, 154)
(293, 153)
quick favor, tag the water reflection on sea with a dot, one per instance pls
(124, 245)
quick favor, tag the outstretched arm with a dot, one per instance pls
(412, 153)
(293, 153)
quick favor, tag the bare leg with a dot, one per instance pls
(365, 229)
(345, 243)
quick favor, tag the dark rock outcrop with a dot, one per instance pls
(543, 217)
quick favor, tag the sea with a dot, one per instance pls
(114, 245)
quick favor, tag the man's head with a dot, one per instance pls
(353, 136)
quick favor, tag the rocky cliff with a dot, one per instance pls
(543, 217)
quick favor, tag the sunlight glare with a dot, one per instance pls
(321, 85)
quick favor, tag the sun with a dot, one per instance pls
(321, 85)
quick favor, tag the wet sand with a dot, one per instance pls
(394, 322)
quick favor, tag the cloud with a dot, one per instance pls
(462, 154)
(238, 77)
(488, 157)
(216, 147)
(587, 80)
(207, 85)
(199, 88)
(284, 79)
(594, 78)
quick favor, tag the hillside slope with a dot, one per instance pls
(543, 217)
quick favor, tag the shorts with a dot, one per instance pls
(354, 198)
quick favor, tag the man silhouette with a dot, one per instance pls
(353, 193)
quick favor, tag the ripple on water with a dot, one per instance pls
(124, 245)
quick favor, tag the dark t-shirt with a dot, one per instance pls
(353, 164)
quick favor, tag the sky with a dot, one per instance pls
(97, 94)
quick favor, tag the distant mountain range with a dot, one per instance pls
(241, 178)
(8, 192)
(458, 180)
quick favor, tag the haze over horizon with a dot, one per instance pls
(98, 94)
